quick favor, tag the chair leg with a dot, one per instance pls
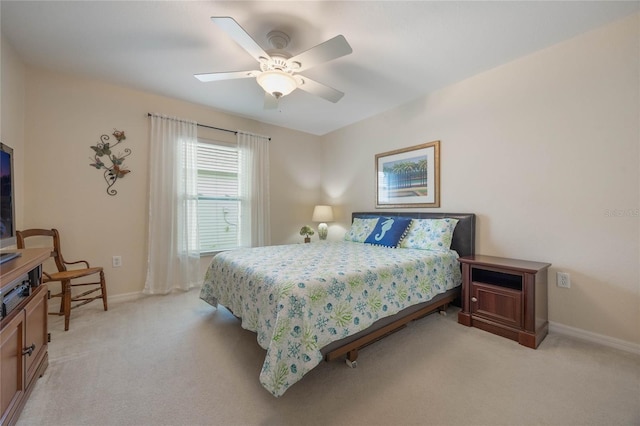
(61, 299)
(66, 302)
(103, 285)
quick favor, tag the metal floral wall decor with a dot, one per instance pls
(117, 169)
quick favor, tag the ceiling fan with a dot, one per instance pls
(278, 74)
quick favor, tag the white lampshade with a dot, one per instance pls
(322, 214)
(277, 83)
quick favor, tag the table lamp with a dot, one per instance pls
(322, 214)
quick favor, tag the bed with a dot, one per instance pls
(328, 299)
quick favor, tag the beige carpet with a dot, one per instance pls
(174, 360)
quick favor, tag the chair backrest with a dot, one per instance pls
(21, 236)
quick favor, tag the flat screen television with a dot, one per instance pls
(7, 203)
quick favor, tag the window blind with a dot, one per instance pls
(218, 197)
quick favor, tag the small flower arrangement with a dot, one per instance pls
(306, 232)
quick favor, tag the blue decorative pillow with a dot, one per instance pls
(389, 231)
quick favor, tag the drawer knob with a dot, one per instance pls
(29, 350)
(473, 299)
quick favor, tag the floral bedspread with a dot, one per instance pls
(299, 298)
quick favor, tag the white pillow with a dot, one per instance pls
(430, 234)
(360, 229)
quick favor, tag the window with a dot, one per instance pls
(218, 196)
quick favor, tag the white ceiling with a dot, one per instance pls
(401, 49)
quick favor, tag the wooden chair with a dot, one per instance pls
(65, 276)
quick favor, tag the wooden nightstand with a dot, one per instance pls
(507, 297)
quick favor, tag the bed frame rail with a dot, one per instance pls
(351, 349)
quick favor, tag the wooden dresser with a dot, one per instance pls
(23, 332)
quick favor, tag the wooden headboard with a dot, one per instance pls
(464, 236)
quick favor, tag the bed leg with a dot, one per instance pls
(443, 309)
(351, 358)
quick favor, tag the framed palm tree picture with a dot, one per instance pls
(409, 177)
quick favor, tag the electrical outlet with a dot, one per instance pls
(563, 279)
(116, 261)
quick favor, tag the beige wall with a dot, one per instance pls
(541, 149)
(12, 115)
(66, 114)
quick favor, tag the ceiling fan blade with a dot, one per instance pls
(319, 89)
(270, 101)
(217, 76)
(324, 52)
(240, 36)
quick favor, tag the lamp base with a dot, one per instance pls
(323, 231)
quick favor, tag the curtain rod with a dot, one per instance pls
(235, 132)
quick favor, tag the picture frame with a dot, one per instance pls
(409, 177)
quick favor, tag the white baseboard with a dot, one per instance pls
(126, 297)
(601, 339)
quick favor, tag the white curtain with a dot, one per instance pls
(174, 257)
(255, 229)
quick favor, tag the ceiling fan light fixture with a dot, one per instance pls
(277, 83)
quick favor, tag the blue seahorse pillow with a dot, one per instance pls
(389, 231)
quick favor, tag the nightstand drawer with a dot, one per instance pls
(497, 303)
